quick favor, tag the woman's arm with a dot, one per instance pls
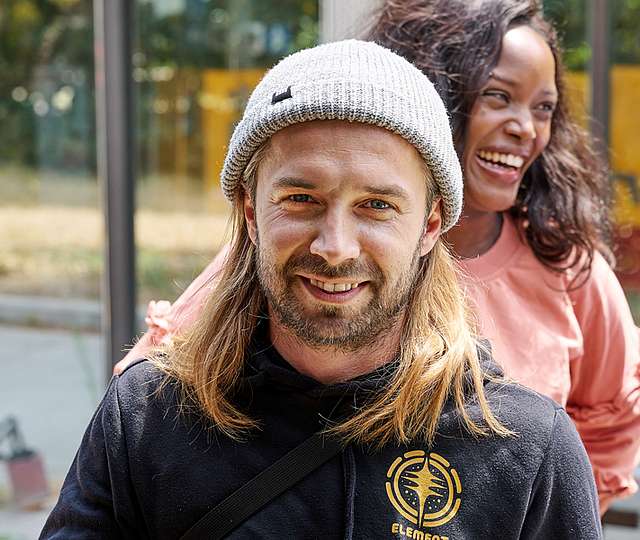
(604, 401)
(164, 319)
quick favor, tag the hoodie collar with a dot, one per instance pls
(266, 365)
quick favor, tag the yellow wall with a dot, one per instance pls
(222, 100)
(578, 91)
(624, 134)
(625, 140)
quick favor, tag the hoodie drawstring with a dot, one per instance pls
(349, 469)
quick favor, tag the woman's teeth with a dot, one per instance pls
(333, 287)
(501, 159)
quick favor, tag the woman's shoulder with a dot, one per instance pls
(597, 280)
(509, 253)
(512, 267)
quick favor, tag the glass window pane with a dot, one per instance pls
(51, 243)
(195, 64)
(625, 143)
(571, 18)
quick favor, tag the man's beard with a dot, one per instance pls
(337, 326)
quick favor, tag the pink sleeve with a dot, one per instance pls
(604, 400)
(164, 319)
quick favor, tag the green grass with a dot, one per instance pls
(52, 239)
(77, 272)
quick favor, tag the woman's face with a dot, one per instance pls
(510, 122)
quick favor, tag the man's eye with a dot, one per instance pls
(377, 204)
(299, 198)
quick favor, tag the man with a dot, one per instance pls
(339, 313)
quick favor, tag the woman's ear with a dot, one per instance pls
(432, 228)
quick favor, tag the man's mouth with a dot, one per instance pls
(506, 161)
(333, 292)
(333, 287)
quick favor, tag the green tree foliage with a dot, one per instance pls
(207, 34)
(38, 38)
(571, 18)
(224, 33)
(42, 41)
(625, 32)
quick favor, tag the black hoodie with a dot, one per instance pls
(146, 470)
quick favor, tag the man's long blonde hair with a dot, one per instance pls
(437, 360)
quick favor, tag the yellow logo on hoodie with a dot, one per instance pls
(424, 488)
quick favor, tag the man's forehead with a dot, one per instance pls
(338, 156)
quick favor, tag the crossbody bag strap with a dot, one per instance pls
(264, 487)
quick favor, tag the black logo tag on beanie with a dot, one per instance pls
(277, 98)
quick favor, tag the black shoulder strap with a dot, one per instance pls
(265, 486)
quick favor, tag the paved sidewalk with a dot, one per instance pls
(51, 382)
(47, 312)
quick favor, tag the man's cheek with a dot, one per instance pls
(283, 238)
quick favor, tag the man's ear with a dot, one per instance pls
(432, 228)
(250, 216)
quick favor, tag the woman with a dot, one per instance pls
(532, 240)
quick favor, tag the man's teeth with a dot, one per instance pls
(504, 159)
(333, 287)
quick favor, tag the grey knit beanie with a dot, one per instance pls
(355, 81)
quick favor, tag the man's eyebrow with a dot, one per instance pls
(293, 182)
(391, 191)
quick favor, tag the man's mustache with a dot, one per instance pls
(308, 263)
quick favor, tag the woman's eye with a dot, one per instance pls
(497, 95)
(377, 204)
(299, 198)
(547, 107)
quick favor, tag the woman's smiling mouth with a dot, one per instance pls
(509, 161)
(505, 167)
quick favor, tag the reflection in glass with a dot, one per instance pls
(571, 18)
(47, 155)
(194, 65)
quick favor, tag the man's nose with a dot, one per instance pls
(521, 125)
(336, 238)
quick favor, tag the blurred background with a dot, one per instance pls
(190, 67)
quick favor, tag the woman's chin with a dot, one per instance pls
(494, 204)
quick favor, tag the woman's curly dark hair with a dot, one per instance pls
(564, 194)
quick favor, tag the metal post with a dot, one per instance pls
(599, 35)
(114, 116)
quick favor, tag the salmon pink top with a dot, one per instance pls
(580, 347)
(577, 345)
